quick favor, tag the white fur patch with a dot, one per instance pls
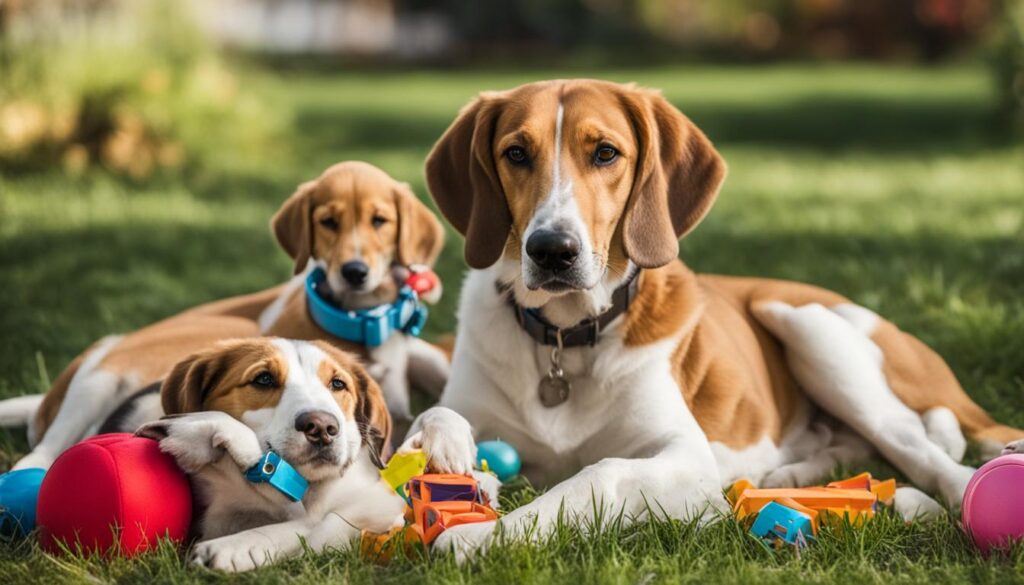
(91, 396)
(944, 430)
(272, 313)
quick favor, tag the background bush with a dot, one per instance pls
(134, 87)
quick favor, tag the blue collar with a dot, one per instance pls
(367, 327)
(277, 472)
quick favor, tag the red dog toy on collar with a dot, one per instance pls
(113, 494)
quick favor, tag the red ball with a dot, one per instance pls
(114, 493)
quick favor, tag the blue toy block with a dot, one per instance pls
(776, 522)
(19, 491)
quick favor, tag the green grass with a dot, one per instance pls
(882, 183)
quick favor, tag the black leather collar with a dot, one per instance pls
(583, 333)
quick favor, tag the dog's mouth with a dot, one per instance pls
(348, 297)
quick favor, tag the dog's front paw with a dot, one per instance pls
(234, 553)
(447, 439)
(1014, 447)
(465, 540)
(198, 439)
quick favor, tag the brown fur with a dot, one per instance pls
(491, 201)
(351, 192)
(219, 378)
(732, 372)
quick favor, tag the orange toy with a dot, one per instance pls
(855, 498)
(439, 501)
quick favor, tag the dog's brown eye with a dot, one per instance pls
(338, 384)
(264, 380)
(605, 155)
(378, 221)
(517, 155)
(330, 223)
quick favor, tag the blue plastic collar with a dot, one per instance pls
(367, 327)
(280, 474)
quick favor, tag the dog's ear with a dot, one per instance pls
(678, 174)
(371, 412)
(292, 225)
(373, 417)
(420, 234)
(184, 388)
(464, 181)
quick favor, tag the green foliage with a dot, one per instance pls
(133, 86)
(1008, 65)
(877, 182)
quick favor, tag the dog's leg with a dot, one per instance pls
(944, 430)
(447, 439)
(199, 439)
(680, 482)
(428, 367)
(846, 448)
(840, 368)
(90, 394)
(19, 411)
(256, 547)
(393, 357)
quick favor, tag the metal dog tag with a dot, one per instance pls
(554, 388)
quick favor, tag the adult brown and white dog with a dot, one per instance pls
(318, 409)
(354, 221)
(668, 385)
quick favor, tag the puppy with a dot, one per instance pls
(355, 222)
(317, 408)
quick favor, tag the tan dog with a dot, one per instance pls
(354, 221)
(587, 344)
(318, 409)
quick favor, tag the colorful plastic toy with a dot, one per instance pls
(19, 491)
(853, 500)
(438, 502)
(401, 468)
(777, 524)
(422, 280)
(113, 494)
(499, 458)
(993, 510)
(441, 501)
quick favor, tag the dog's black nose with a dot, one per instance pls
(355, 272)
(553, 250)
(320, 427)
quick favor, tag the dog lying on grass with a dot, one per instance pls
(317, 408)
(354, 222)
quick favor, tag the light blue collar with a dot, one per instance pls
(368, 327)
(279, 473)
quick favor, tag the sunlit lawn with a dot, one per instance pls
(886, 184)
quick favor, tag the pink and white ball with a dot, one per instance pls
(993, 509)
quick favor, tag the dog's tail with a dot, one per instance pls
(20, 410)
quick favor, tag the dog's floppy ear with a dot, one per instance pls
(464, 181)
(420, 234)
(292, 225)
(678, 174)
(373, 417)
(184, 388)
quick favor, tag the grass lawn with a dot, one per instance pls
(883, 183)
